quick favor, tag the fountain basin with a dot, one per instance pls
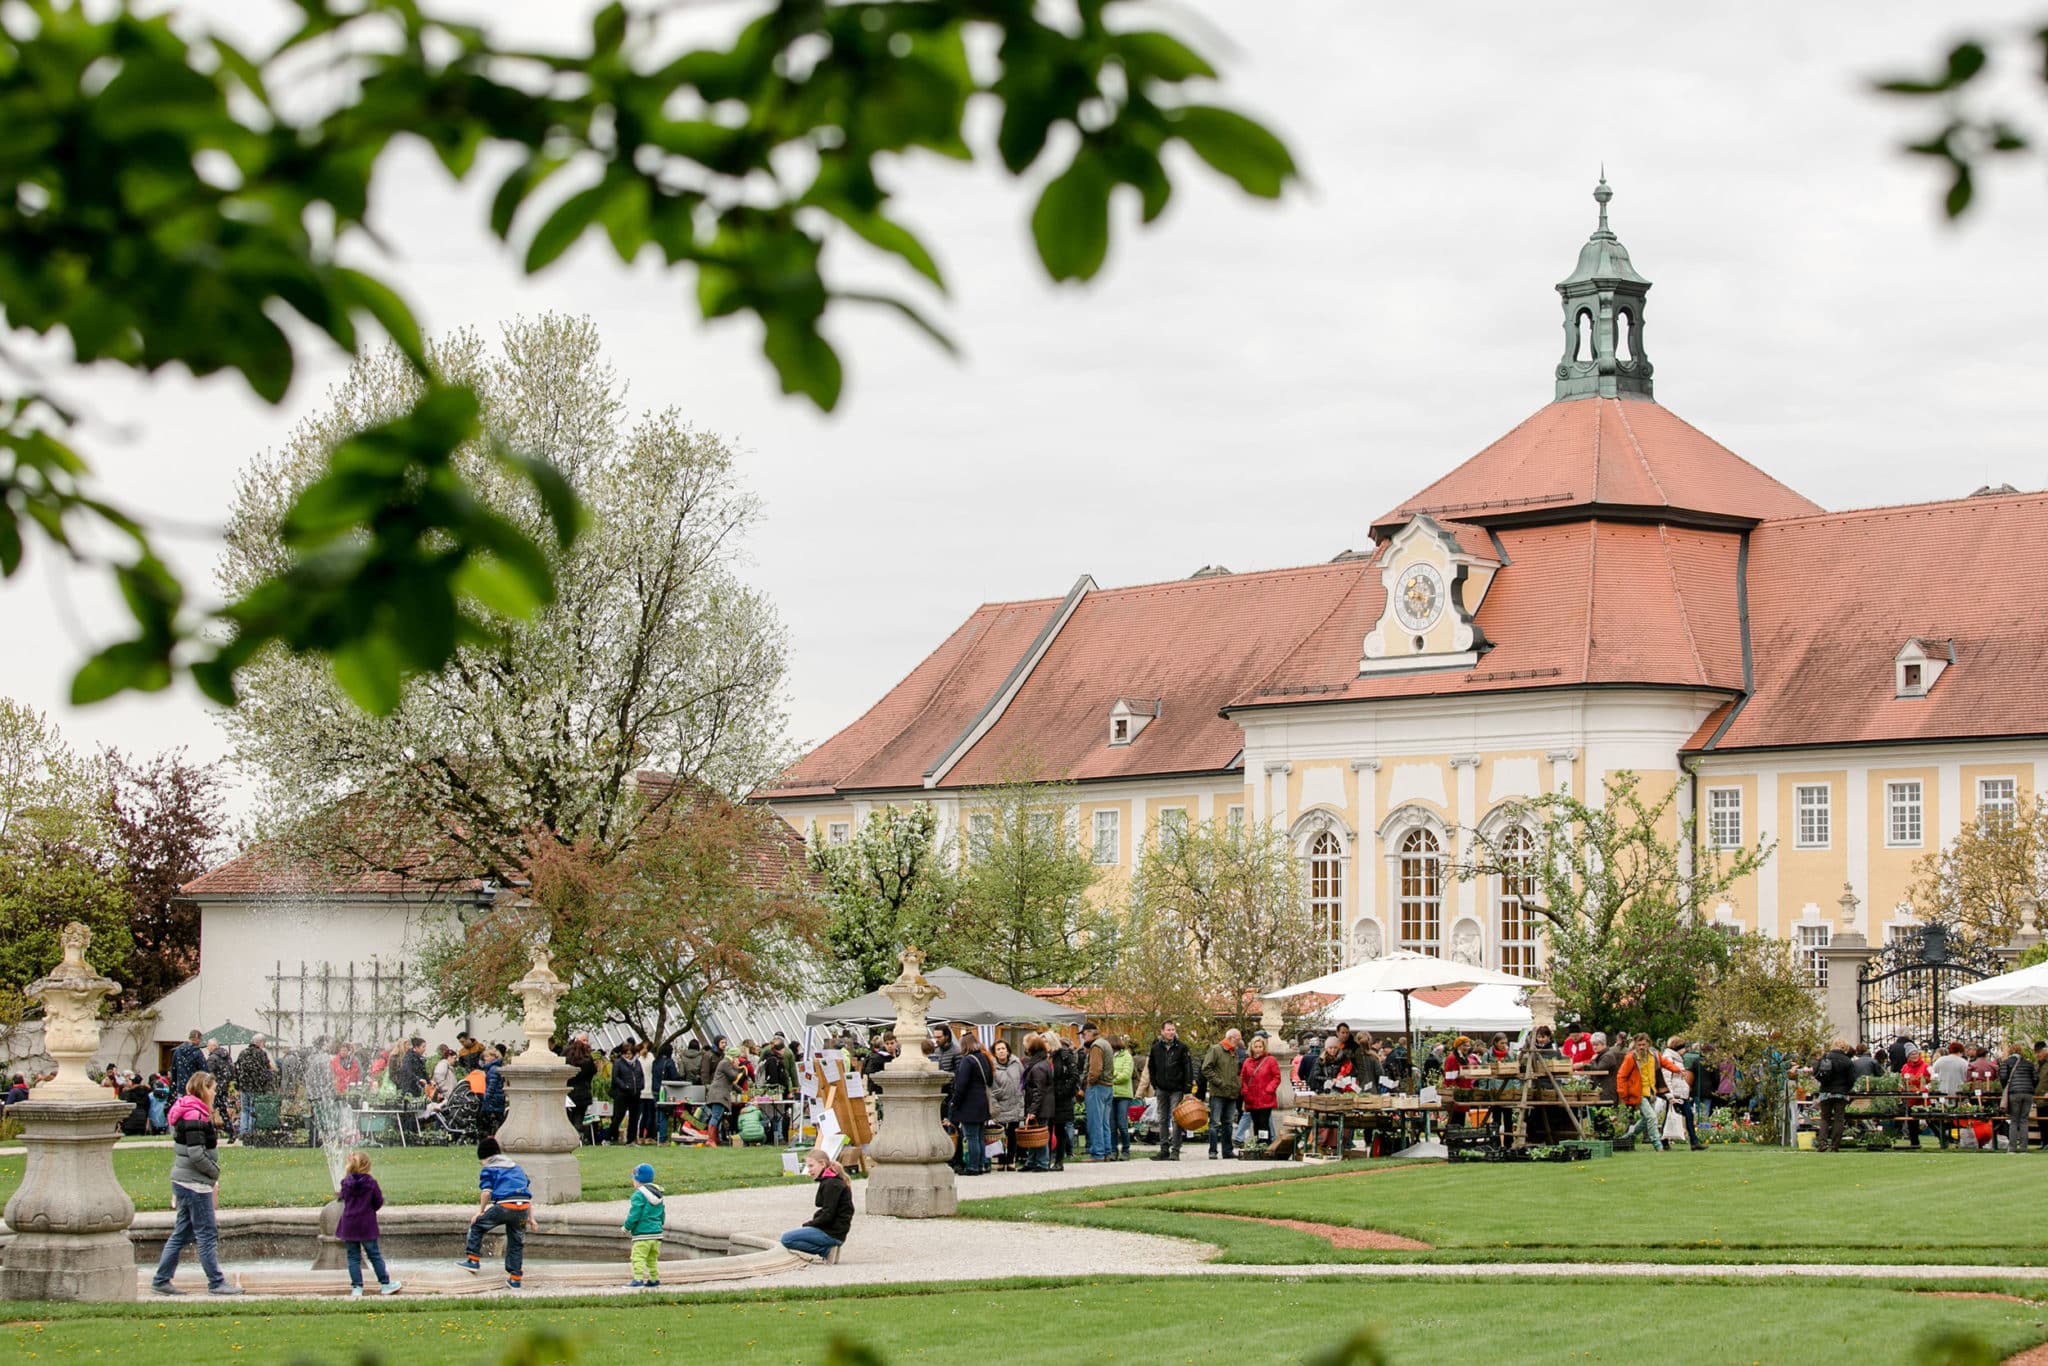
(283, 1252)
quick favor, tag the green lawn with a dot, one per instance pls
(421, 1176)
(1730, 1204)
(1145, 1321)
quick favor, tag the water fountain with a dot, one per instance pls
(911, 1178)
(70, 1216)
(536, 1133)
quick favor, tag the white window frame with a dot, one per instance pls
(1326, 897)
(1823, 837)
(1111, 843)
(1173, 825)
(838, 832)
(2009, 804)
(1419, 901)
(1120, 730)
(1523, 952)
(1716, 811)
(1812, 935)
(1898, 806)
(1233, 821)
(981, 831)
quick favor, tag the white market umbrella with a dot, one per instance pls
(2027, 987)
(1481, 1010)
(1405, 972)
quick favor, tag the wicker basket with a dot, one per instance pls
(1192, 1115)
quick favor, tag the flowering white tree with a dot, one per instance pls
(652, 654)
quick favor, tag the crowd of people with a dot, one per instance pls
(2003, 1079)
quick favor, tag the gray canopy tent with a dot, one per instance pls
(968, 1000)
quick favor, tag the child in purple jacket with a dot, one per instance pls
(361, 1198)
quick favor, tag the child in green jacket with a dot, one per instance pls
(646, 1216)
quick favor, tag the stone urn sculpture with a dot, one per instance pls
(537, 1133)
(70, 1216)
(910, 1176)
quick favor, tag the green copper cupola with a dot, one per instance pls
(1603, 319)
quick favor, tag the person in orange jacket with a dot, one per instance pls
(1636, 1082)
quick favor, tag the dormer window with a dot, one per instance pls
(1129, 716)
(1919, 663)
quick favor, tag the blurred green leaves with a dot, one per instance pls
(158, 209)
(1970, 133)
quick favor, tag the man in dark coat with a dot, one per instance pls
(187, 1058)
(1066, 1084)
(1171, 1070)
(255, 1075)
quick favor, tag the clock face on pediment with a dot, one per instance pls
(1419, 597)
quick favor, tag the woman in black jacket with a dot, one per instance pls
(971, 1075)
(625, 1090)
(1038, 1098)
(580, 1082)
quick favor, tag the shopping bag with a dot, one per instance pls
(1674, 1124)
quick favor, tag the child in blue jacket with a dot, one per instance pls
(504, 1200)
(646, 1216)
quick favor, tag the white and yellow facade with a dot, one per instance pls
(1604, 589)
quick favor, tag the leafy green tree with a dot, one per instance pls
(1234, 900)
(1624, 906)
(1759, 1008)
(652, 654)
(1024, 916)
(166, 204)
(1984, 879)
(710, 902)
(889, 885)
(57, 853)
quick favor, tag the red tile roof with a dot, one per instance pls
(1192, 643)
(1832, 599)
(1603, 453)
(902, 735)
(1582, 602)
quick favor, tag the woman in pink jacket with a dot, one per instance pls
(1259, 1083)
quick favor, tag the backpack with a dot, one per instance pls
(1066, 1074)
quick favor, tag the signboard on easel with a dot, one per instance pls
(836, 1105)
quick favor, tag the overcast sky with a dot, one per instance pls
(1250, 384)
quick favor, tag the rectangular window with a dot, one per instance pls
(1810, 807)
(981, 833)
(1724, 817)
(1902, 814)
(1040, 824)
(1173, 826)
(1108, 837)
(1813, 937)
(1728, 929)
(838, 832)
(1998, 800)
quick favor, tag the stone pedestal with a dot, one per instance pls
(909, 1176)
(70, 1216)
(537, 1134)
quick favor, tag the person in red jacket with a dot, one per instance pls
(1259, 1083)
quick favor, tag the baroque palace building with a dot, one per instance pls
(1604, 588)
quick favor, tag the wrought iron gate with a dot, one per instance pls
(1904, 990)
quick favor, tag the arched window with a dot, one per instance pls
(1421, 901)
(1582, 345)
(1516, 934)
(1624, 335)
(1326, 898)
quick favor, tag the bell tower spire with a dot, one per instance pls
(1603, 318)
